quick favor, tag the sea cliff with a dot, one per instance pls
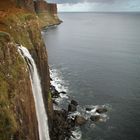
(21, 22)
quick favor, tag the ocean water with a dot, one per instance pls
(97, 56)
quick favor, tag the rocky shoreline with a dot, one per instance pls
(67, 119)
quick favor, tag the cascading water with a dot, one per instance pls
(37, 93)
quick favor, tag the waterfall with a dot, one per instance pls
(37, 93)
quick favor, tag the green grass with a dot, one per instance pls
(10, 72)
(8, 124)
(49, 96)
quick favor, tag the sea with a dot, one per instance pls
(95, 58)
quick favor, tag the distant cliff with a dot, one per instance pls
(47, 13)
(20, 23)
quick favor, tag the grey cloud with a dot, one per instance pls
(80, 1)
(102, 5)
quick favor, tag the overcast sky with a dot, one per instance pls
(97, 5)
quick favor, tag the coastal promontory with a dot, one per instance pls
(21, 22)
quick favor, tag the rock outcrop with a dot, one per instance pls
(47, 12)
(19, 24)
(43, 6)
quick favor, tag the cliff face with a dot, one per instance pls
(47, 12)
(43, 6)
(17, 110)
(19, 24)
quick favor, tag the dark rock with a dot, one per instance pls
(74, 102)
(55, 95)
(101, 110)
(88, 109)
(55, 102)
(54, 92)
(52, 87)
(65, 113)
(95, 118)
(71, 108)
(63, 92)
(61, 137)
(71, 123)
(80, 120)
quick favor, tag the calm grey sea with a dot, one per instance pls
(98, 55)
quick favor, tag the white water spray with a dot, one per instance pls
(37, 93)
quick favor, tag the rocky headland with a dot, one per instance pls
(21, 22)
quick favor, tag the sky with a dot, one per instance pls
(96, 5)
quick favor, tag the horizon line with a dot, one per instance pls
(98, 11)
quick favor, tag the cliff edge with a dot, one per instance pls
(20, 23)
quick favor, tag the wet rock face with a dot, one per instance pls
(88, 109)
(61, 129)
(95, 118)
(74, 102)
(101, 110)
(71, 108)
(63, 126)
(54, 92)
